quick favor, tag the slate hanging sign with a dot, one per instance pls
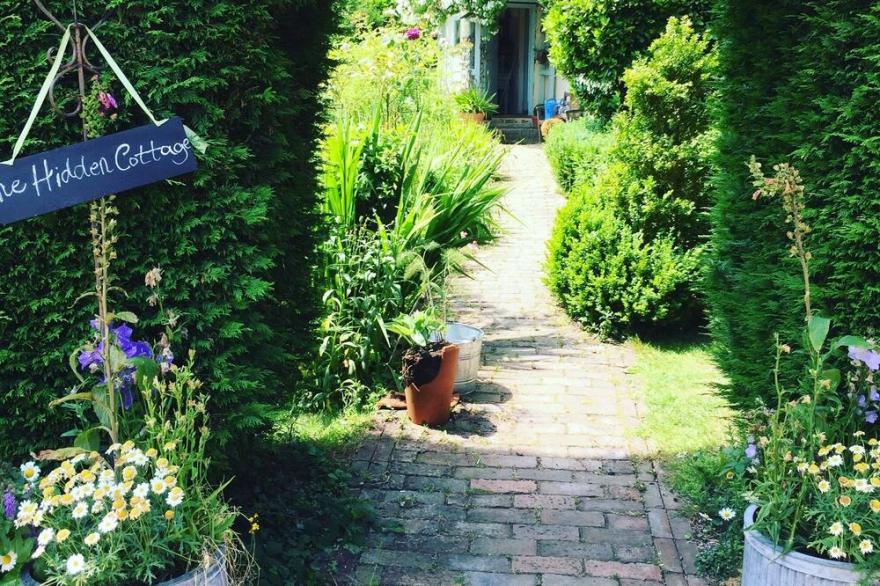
(74, 174)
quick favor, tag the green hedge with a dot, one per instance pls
(800, 85)
(592, 42)
(234, 240)
(626, 250)
(577, 151)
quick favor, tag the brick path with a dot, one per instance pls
(537, 480)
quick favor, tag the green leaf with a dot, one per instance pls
(857, 341)
(126, 316)
(146, 371)
(818, 330)
(89, 440)
(84, 396)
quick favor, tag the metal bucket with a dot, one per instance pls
(470, 344)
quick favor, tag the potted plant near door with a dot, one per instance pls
(475, 104)
(429, 368)
(815, 494)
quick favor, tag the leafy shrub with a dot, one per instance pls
(607, 276)
(592, 42)
(798, 84)
(626, 250)
(577, 151)
(235, 237)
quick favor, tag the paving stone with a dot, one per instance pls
(667, 554)
(496, 546)
(504, 486)
(487, 579)
(502, 515)
(576, 549)
(554, 532)
(478, 563)
(599, 535)
(503, 461)
(570, 488)
(547, 564)
(622, 570)
(577, 518)
(544, 501)
(432, 484)
(635, 553)
(557, 580)
(688, 552)
(659, 523)
(475, 529)
(627, 522)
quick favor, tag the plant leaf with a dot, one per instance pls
(818, 331)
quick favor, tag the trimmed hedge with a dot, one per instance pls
(626, 251)
(592, 42)
(234, 241)
(800, 85)
(577, 151)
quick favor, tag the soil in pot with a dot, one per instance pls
(429, 375)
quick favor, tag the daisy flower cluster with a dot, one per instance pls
(844, 499)
(82, 509)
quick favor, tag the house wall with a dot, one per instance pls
(466, 63)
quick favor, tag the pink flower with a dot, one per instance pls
(413, 34)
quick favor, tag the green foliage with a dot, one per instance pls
(708, 484)
(476, 101)
(577, 151)
(417, 328)
(235, 238)
(626, 250)
(407, 185)
(799, 83)
(592, 42)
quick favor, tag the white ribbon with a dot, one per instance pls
(197, 142)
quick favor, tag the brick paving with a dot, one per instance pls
(538, 478)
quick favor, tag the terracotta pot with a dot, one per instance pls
(477, 117)
(429, 404)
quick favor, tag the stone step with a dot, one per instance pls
(516, 129)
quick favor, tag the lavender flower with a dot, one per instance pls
(867, 357)
(871, 417)
(751, 451)
(10, 505)
(107, 103)
(413, 34)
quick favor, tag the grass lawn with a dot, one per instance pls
(684, 412)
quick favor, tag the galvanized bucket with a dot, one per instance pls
(470, 344)
(215, 574)
(765, 564)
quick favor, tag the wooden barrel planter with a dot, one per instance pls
(765, 564)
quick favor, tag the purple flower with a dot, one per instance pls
(10, 505)
(869, 358)
(166, 359)
(413, 34)
(107, 103)
(871, 417)
(862, 401)
(126, 387)
(136, 349)
(92, 359)
(875, 396)
(751, 451)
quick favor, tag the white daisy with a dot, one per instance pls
(865, 546)
(7, 561)
(97, 507)
(46, 536)
(141, 490)
(835, 461)
(80, 510)
(92, 539)
(836, 553)
(727, 513)
(836, 528)
(175, 497)
(108, 523)
(158, 485)
(38, 552)
(76, 564)
(30, 471)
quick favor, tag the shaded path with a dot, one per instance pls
(536, 480)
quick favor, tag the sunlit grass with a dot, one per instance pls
(678, 385)
(330, 430)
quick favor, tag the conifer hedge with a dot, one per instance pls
(234, 240)
(801, 84)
